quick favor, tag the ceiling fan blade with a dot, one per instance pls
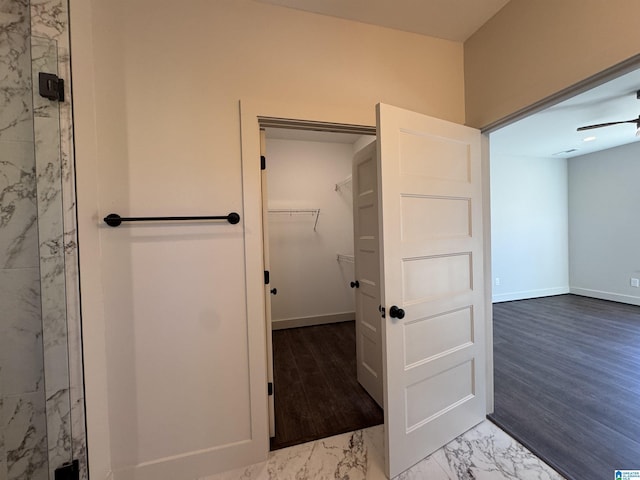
(600, 125)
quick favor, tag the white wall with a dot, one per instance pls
(529, 231)
(166, 332)
(310, 282)
(604, 225)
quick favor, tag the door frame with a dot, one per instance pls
(256, 114)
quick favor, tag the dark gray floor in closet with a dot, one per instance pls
(317, 393)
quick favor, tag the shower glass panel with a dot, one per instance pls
(35, 404)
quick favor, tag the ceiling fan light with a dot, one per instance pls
(638, 132)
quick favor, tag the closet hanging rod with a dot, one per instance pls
(296, 211)
(114, 220)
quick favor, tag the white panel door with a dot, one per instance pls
(267, 286)
(429, 175)
(367, 271)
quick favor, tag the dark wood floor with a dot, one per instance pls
(316, 390)
(567, 382)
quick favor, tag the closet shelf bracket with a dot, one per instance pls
(343, 183)
(345, 258)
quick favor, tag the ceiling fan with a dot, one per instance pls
(608, 124)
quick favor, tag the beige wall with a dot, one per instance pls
(534, 48)
(158, 133)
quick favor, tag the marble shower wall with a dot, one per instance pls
(41, 386)
(23, 445)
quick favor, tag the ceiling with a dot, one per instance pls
(453, 20)
(553, 131)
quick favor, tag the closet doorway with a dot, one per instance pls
(308, 191)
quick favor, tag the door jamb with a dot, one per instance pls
(488, 285)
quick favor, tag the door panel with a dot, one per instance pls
(367, 270)
(448, 160)
(431, 241)
(431, 396)
(435, 276)
(427, 218)
(430, 336)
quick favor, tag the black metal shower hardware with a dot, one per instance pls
(114, 220)
(51, 86)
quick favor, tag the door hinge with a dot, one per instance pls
(68, 471)
(270, 388)
(263, 162)
(266, 277)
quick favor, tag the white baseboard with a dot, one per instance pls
(309, 321)
(543, 292)
(614, 297)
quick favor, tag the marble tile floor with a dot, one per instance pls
(483, 453)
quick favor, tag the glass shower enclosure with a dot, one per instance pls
(40, 366)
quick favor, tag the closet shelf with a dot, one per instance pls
(341, 257)
(343, 183)
(298, 211)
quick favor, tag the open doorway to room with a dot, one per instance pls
(312, 279)
(565, 267)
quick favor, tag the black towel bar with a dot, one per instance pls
(114, 220)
